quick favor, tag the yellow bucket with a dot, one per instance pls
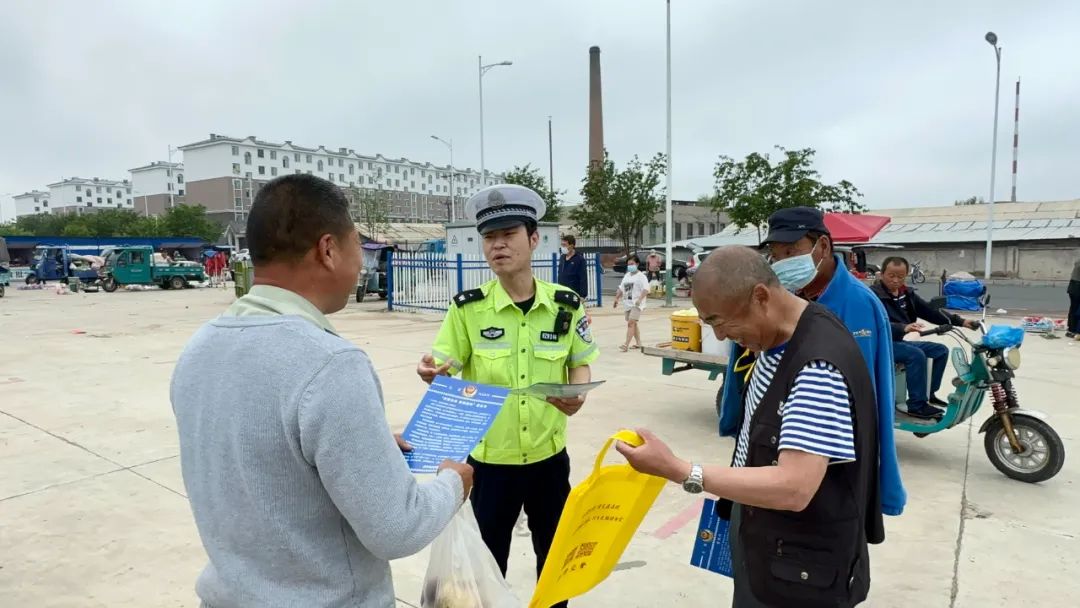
(686, 331)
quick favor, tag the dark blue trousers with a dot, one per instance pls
(913, 356)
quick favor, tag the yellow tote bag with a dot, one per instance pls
(601, 515)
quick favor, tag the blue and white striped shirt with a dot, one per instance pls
(815, 418)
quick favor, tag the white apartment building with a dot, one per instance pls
(31, 203)
(222, 172)
(157, 187)
(82, 195)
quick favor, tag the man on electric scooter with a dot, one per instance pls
(905, 308)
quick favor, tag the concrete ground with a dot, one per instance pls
(93, 513)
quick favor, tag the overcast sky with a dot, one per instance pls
(895, 97)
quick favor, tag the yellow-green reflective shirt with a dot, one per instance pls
(491, 341)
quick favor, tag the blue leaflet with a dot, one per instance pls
(712, 549)
(450, 421)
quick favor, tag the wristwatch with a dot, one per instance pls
(695, 483)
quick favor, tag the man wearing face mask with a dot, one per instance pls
(800, 249)
(572, 267)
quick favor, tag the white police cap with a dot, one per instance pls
(504, 206)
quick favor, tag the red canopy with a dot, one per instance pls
(852, 228)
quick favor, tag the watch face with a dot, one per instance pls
(692, 487)
(695, 484)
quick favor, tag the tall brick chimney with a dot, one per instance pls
(596, 110)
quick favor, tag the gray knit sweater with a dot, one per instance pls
(300, 494)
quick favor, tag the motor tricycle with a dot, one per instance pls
(55, 263)
(1019, 442)
(372, 277)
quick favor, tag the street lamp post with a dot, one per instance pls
(669, 261)
(146, 201)
(992, 39)
(480, 71)
(450, 145)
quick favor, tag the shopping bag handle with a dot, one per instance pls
(625, 436)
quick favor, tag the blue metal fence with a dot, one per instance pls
(427, 281)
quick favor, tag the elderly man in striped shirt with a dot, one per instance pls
(802, 491)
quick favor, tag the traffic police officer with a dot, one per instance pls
(515, 331)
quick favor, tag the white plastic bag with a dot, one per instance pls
(461, 572)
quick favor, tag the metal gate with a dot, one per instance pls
(427, 281)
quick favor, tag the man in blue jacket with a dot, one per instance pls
(572, 267)
(801, 251)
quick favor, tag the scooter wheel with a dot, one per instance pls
(1043, 452)
(921, 435)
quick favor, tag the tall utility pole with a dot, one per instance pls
(1016, 139)
(992, 38)
(551, 161)
(669, 261)
(171, 168)
(449, 144)
(482, 69)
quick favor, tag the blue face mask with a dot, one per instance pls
(631, 268)
(797, 272)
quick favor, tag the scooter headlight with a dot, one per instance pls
(1011, 357)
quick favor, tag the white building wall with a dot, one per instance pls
(66, 195)
(32, 203)
(106, 194)
(208, 162)
(160, 179)
(242, 159)
(149, 181)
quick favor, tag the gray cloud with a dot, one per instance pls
(897, 99)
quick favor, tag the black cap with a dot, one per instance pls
(792, 224)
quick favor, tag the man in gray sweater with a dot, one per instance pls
(299, 490)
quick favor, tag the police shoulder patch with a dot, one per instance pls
(568, 298)
(584, 330)
(469, 295)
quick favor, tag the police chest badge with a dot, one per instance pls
(549, 336)
(492, 333)
(584, 330)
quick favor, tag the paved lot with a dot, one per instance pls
(93, 513)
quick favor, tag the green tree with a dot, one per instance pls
(531, 178)
(190, 220)
(620, 203)
(77, 227)
(370, 211)
(112, 222)
(41, 224)
(147, 226)
(181, 220)
(751, 190)
(14, 229)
